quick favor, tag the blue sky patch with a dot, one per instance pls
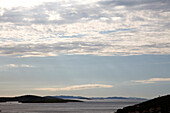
(117, 30)
(73, 36)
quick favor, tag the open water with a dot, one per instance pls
(91, 106)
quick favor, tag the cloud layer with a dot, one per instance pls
(97, 27)
(153, 80)
(76, 87)
(18, 66)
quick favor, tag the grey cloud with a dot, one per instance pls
(150, 18)
(137, 4)
(38, 15)
(159, 45)
(75, 13)
(79, 47)
(24, 16)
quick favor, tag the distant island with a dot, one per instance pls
(92, 98)
(156, 105)
(36, 99)
(56, 99)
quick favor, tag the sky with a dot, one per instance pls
(85, 47)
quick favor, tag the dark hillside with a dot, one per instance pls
(156, 105)
(35, 99)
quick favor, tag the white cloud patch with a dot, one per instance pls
(48, 28)
(152, 80)
(18, 66)
(76, 87)
(23, 3)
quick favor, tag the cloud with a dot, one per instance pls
(152, 80)
(23, 3)
(76, 87)
(74, 27)
(18, 66)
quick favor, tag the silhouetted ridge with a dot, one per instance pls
(35, 99)
(157, 105)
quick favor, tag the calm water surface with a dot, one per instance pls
(92, 106)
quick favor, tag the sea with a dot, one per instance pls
(88, 106)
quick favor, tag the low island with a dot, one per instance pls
(36, 99)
